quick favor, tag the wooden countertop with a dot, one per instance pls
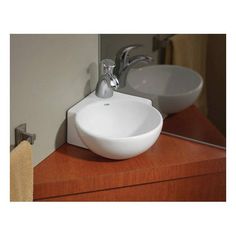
(72, 170)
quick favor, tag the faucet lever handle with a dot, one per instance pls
(108, 66)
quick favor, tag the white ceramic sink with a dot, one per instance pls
(171, 88)
(119, 127)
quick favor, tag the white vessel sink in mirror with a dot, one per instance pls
(171, 88)
(119, 127)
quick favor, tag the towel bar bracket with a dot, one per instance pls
(160, 43)
(21, 134)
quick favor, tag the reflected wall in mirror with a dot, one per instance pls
(186, 79)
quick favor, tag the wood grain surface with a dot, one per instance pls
(71, 170)
(198, 188)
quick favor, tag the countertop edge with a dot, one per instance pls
(129, 178)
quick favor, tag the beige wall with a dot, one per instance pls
(49, 73)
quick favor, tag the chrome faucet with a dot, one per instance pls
(107, 81)
(124, 62)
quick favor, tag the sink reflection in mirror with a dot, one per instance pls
(185, 80)
(171, 88)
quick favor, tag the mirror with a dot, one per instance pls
(186, 79)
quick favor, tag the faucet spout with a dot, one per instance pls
(114, 82)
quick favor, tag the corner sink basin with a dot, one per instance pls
(118, 129)
(171, 88)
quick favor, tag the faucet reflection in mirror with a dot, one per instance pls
(124, 62)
